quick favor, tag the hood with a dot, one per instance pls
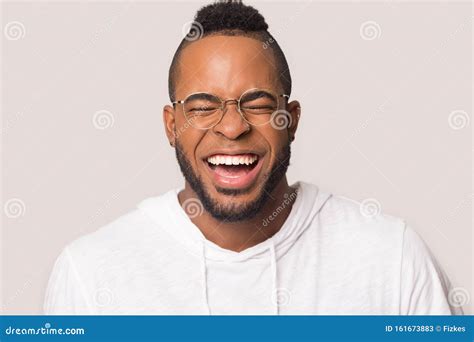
(167, 213)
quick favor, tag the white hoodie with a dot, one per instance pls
(328, 258)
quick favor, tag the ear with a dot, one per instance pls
(294, 109)
(170, 124)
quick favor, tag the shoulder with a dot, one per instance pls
(354, 229)
(82, 261)
(362, 220)
(365, 223)
(115, 236)
(121, 238)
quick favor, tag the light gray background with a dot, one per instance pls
(387, 118)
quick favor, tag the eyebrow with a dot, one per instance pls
(202, 96)
(258, 94)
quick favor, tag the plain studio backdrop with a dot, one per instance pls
(385, 89)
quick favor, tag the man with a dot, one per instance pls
(238, 239)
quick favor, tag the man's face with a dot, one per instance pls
(227, 66)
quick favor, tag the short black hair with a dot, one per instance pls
(231, 18)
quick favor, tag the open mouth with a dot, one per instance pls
(235, 171)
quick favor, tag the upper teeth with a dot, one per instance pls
(232, 160)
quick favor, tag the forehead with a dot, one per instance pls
(225, 66)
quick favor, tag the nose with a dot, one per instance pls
(232, 124)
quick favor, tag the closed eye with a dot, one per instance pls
(204, 109)
(258, 109)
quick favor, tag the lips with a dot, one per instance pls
(235, 170)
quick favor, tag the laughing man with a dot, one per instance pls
(237, 238)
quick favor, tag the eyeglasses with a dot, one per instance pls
(256, 106)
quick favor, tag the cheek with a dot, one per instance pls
(189, 138)
(274, 138)
(182, 127)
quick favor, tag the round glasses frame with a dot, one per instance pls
(236, 101)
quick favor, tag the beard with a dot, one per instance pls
(234, 212)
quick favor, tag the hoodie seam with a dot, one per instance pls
(81, 285)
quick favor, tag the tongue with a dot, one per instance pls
(232, 171)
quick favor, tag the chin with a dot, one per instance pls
(234, 187)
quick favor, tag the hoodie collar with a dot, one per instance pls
(166, 212)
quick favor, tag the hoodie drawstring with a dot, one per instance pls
(204, 278)
(274, 275)
(273, 269)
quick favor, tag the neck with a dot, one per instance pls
(238, 236)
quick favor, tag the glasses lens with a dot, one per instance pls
(258, 105)
(202, 110)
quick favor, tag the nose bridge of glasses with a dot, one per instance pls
(224, 108)
(229, 101)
